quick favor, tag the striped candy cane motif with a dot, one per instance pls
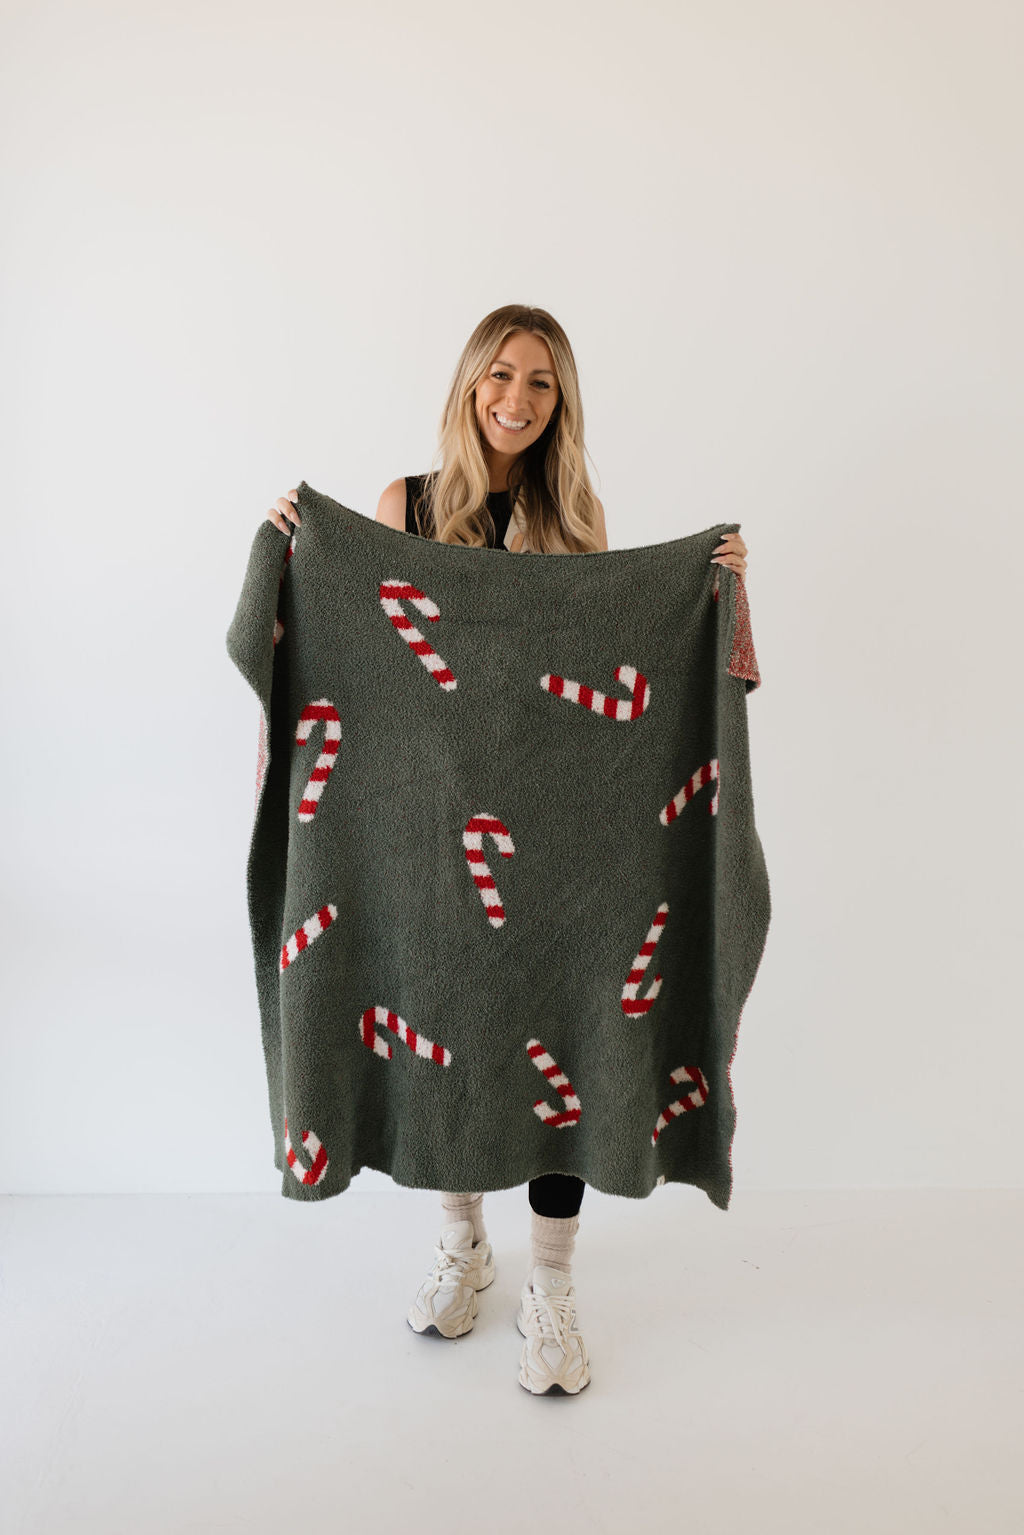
(392, 595)
(692, 1100)
(278, 625)
(473, 837)
(550, 1068)
(612, 708)
(310, 929)
(418, 1043)
(316, 1151)
(702, 776)
(631, 1004)
(321, 709)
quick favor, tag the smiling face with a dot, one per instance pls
(520, 388)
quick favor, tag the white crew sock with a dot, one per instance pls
(552, 1241)
(465, 1207)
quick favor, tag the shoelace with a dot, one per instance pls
(553, 1315)
(449, 1266)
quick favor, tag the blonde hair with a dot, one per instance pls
(551, 494)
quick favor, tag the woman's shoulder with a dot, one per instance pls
(394, 503)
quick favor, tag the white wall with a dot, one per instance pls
(243, 244)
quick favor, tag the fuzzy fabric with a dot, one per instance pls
(506, 893)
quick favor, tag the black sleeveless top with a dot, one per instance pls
(499, 504)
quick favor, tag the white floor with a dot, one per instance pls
(819, 1362)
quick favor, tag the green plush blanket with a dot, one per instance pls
(506, 893)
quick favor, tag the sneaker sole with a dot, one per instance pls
(556, 1389)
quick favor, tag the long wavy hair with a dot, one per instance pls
(550, 488)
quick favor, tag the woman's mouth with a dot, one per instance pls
(509, 423)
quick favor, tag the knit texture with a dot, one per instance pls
(465, 1207)
(506, 893)
(553, 1240)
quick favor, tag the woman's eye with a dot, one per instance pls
(541, 383)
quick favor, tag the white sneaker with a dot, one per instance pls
(446, 1302)
(554, 1358)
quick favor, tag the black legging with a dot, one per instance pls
(556, 1194)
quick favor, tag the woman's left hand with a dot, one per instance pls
(731, 551)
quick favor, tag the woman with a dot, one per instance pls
(511, 475)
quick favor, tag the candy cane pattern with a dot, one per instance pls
(590, 698)
(476, 828)
(418, 1043)
(702, 776)
(278, 625)
(316, 1151)
(630, 1003)
(692, 1100)
(550, 1068)
(392, 594)
(310, 929)
(321, 709)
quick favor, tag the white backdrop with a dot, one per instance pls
(243, 245)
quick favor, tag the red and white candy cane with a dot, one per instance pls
(613, 708)
(316, 1151)
(321, 709)
(313, 926)
(418, 1043)
(278, 625)
(550, 1068)
(692, 1100)
(702, 776)
(631, 1004)
(392, 595)
(477, 827)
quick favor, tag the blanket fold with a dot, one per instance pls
(506, 894)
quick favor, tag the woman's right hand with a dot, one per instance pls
(284, 508)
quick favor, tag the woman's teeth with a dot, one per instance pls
(508, 424)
